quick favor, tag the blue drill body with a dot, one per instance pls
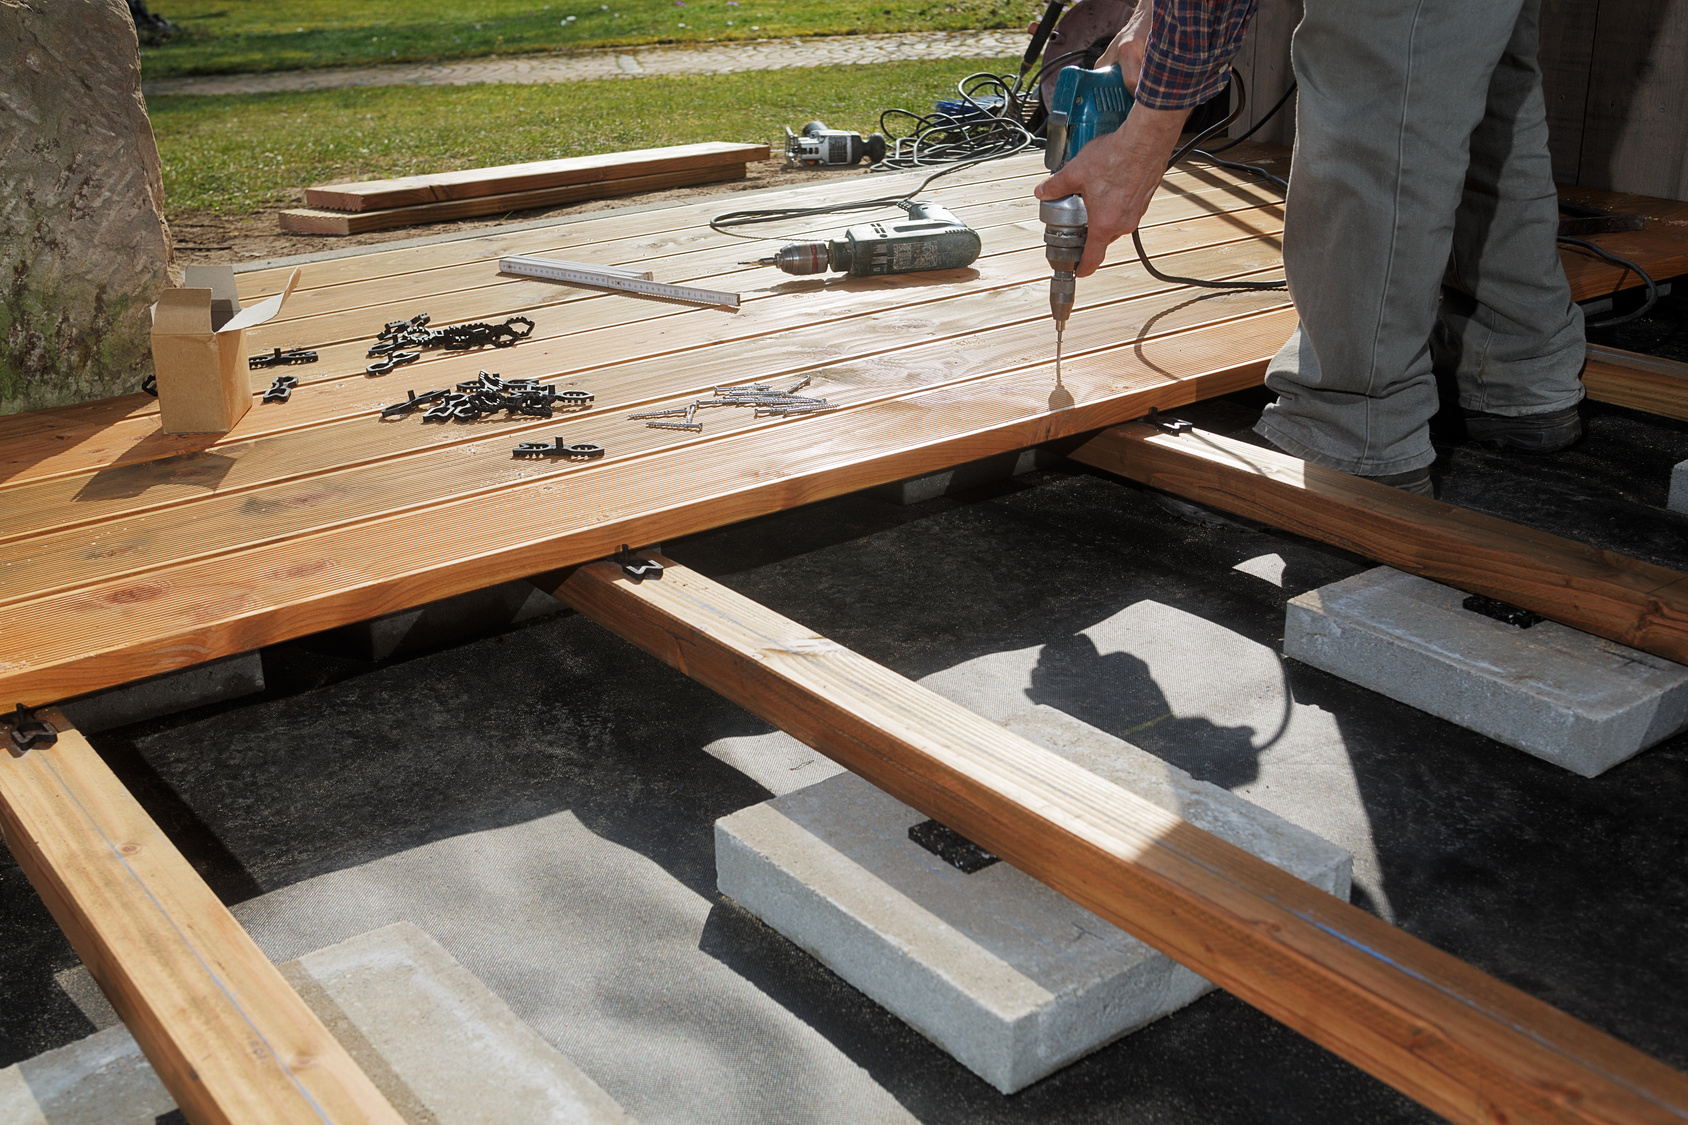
(1086, 104)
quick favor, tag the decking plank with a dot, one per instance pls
(112, 632)
(229, 1037)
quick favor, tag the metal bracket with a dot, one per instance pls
(1174, 426)
(636, 568)
(28, 730)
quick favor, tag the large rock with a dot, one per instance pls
(84, 248)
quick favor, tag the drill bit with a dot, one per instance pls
(1057, 353)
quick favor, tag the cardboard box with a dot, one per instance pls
(199, 350)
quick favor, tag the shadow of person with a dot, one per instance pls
(1116, 694)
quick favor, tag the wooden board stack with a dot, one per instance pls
(343, 209)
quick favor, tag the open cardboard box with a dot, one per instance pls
(199, 350)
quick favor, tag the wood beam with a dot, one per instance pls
(1457, 1040)
(229, 1037)
(1623, 599)
(1639, 382)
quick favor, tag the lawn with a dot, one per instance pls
(231, 36)
(249, 152)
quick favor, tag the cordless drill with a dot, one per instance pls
(1086, 104)
(931, 238)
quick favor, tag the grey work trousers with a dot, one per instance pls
(1420, 157)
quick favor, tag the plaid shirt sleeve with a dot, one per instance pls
(1191, 43)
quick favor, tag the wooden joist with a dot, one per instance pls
(1455, 1039)
(1639, 382)
(311, 220)
(230, 1038)
(1626, 600)
(469, 183)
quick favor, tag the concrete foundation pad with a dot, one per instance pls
(213, 682)
(973, 474)
(444, 622)
(1678, 501)
(1573, 699)
(1012, 979)
(436, 1041)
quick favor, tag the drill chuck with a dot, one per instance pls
(1065, 227)
(802, 258)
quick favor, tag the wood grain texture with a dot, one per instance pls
(1457, 1040)
(582, 332)
(186, 523)
(1639, 382)
(309, 220)
(469, 183)
(113, 631)
(1264, 62)
(1623, 599)
(231, 1040)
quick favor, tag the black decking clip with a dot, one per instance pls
(397, 359)
(636, 568)
(279, 358)
(29, 731)
(1500, 611)
(579, 451)
(149, 385)
(282, 389)
(1173, 426)
(411, 402)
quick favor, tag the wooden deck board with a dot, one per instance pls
(125, 552)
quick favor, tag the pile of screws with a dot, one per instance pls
(282, 389)
(764, 399)
(487, 395)
(415, 333)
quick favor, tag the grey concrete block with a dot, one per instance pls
(1573, 699)
(433, 1039)
(1012, 979)
(960, 478)
(212, 682)
(1678, 501)
(446, 621)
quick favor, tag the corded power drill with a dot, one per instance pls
(1086, 104)
(931, 238)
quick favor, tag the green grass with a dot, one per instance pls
(234, 36)
(250, 152)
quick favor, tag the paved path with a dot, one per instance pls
(703, 58)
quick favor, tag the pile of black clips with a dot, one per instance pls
(579, 451)
(487, 395)
(415, 333)
(280, 358)
(282, 389)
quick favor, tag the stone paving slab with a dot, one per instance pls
(1568, 697)
(626, 62)
(441, 1047)
(1014, 980)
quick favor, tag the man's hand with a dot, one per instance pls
(1117, 175)
(1131, 45)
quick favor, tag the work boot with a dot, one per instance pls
(1415, 481)
(1527, 433)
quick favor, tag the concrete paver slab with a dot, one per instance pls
(1012, 979)
(1573, 699)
